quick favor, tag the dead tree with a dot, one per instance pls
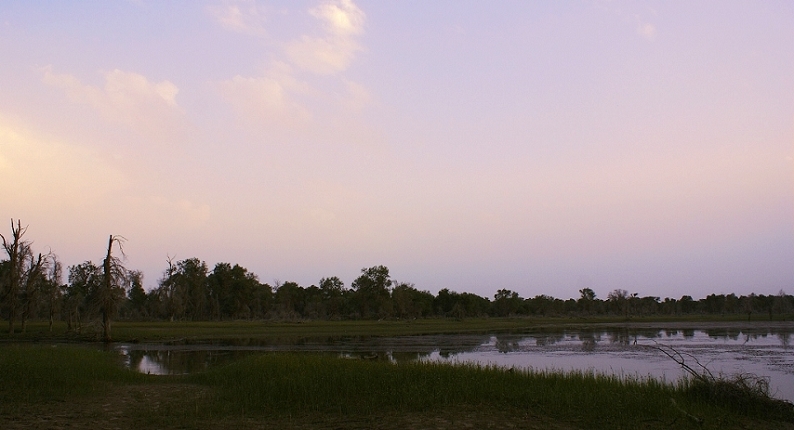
(17, 249)
(34, 277)
(111, 292)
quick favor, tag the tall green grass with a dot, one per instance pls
(278, 384)
(30, 373)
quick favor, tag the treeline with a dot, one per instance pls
(31, 286)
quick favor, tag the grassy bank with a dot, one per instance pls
(82, 387)
(163, 331)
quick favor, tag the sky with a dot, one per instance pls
(543, 147)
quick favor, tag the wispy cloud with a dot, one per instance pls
(279, 99)
(269, 98)
(245, 17)
(127, 98)
(646, 30)
(341, 17)
(332, 52)
(38, 171)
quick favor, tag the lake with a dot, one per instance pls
(634, 350)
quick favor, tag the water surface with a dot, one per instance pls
(627, 351)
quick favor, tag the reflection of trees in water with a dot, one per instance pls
(619, 336)
(784, 335)
(725, 333)
(626, 336)
(785, 338)
(648, 333)
(589, 340)
(452, 345)
(407, 357)
(507, 343)
(671, 333)
(689, 333)
(546, 339)
(180, 362)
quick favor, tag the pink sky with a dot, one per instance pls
(537, 146)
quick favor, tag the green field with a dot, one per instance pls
(161, 331)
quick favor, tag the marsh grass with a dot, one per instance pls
(278, 388)
(290, 384)
(31, 373)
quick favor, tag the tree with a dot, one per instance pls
(17, 250)
(506, 302)
(110, 292)
(33, 284)
(52, 291)
(184, 289)
(83, 279)
(137, 295)
(372, 292)
(232, 289)
(586, 299)
(290, 299)
(619, 300)
(333, 291)
(412, 303)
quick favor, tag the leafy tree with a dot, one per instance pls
(290, 299)
(544, 305)
(412, 303)
(444, 301)
(83, 278)
(619, 301)
(782, 304)
(372, 292)
(313, 304)
(586, 300)
(52, 288)
(184, 289)
(137, 295)
(474, 305)
(687, 304)
(506, 302)
(232, 289)
(333, 292)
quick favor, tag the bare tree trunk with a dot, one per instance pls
(31, 291)
(107, 293)
(13, 250)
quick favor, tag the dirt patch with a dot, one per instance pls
(118, 409)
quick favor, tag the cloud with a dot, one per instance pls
(244, 17)
(342, 17)
(127, 98)
(334, 51)
(646, 30)
(268, 98)
(284, 99)
(43, 174)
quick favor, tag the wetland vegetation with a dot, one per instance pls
(51, 386)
